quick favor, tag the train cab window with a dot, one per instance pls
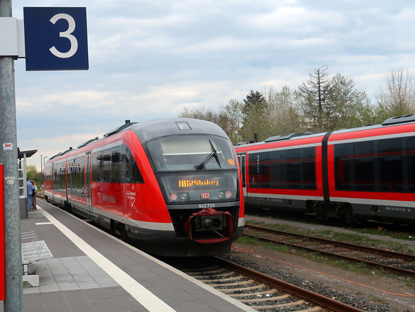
(191, 152)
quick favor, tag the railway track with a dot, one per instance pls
(259, 291)
(400, 263)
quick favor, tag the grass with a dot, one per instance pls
(356, 267)
(356, 238)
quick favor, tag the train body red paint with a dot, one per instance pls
(172, 186)
(355, 174)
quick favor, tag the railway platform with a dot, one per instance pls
(89, 270)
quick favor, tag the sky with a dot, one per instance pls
(150, 59)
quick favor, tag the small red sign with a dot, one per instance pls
(7, 146)
(205, 195)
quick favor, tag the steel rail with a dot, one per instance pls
(310, 296)
(370, 250)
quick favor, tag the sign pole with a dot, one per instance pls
(8, 156)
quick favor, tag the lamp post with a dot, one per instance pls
(8, 156)
(44, 158)
(43, 166)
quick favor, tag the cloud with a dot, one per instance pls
(151, 59)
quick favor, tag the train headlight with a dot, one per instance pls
(221, 194)
(183, 196)
(173, 196)
(228, 194)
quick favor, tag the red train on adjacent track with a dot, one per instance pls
(355, 174)
(172, 186)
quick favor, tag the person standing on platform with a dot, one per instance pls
(34, 194)
(29, 195)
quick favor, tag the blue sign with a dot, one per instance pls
(55, 38)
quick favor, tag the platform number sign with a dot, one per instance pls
(55, 38)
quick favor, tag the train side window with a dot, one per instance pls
(97, 167)
(115, 166)
(411, 164)
(76, 177)
(308, 168)
(241, 159)
(390, 165)
(59, 176)
(279, 170)
(293, 169)
(259, 171)
(364, 167)
(132, 173)
(106, 166)
(343, 160)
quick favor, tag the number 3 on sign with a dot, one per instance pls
(65, 34)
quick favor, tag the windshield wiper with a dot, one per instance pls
(212, 154)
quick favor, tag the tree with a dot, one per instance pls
(315, 93)
(33, 174)
(398, 97)
(229, 118)
(202, 113)
(333, 103)
(284, 113)
(255, 111)
(349, 107)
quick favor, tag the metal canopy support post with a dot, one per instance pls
(8, 156)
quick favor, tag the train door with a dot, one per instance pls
(242, 160)
(88, 184)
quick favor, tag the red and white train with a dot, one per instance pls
(362, 173)
(172, 186)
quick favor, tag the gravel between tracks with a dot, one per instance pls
(367, 292)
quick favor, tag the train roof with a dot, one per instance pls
(282, 138)
(149, 130)
(393, 121)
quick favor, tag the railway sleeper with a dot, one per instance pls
(230, 291)
(315, 309)
(223, 274)
(204, 270)
(241, 283)
(282, 305)
(226, 279)
(283, 297)
(263, 293)
(207, 272)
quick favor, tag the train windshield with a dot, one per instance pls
(191, 153)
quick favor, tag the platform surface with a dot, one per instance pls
(93, 271)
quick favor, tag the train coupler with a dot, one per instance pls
(209, 226)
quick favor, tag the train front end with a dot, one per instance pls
(197, 173)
